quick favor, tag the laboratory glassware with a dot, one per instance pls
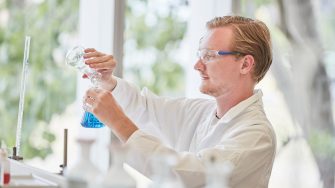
(75, 58)
(164, 177)
(22, 94)
(116, 176)
(83, 173)
(5, 168)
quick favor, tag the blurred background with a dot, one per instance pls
(155, 43)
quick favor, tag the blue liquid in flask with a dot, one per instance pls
(90, 121)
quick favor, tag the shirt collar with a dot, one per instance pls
(237, 109)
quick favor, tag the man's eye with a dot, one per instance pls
(209, 56)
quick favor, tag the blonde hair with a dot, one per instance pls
(251, 37)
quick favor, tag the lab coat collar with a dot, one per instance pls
(237, 109)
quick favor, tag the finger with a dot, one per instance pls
(93, 54)
(103, 71)
(88, 50)
(103, 66)
(100, 59)
(90, 100)
(87, 104)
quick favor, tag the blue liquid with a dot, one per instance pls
(90, 121)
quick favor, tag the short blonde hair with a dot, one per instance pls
(251, 37)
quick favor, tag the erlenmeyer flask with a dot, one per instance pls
(116, 176)
(75, 58)
(162, 169)
(83, 173)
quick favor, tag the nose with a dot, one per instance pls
(199, 65)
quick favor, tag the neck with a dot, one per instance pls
(228, 100)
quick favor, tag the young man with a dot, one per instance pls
(234, 56)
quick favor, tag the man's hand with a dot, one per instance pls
(104, 64)
(105, 108)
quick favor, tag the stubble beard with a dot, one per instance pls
(207, 90)
(212, 90)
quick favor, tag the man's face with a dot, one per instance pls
(219, 74)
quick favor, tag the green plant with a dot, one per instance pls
(49, 88)
(157, 33)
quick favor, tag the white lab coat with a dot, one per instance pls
(188, 128)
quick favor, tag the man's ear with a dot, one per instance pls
(247, 64)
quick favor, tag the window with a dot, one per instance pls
(153, 37)
(50, 87)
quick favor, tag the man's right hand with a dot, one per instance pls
(104, 64)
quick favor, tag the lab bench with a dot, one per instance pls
(25, 176)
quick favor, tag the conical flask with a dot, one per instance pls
(83, 172)
(116, 176)
(162, 169)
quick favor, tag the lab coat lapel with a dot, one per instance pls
(214, 135)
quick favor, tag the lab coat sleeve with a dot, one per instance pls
(171, 116)
(143, 147)
(249, 151)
